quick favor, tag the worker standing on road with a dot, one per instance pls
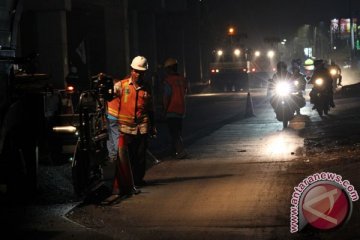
(136, 119)
(175, 87)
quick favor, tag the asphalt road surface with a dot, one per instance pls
(237, 183)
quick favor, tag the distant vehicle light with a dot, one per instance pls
(237, 52)
(253, 69)
(271, 54)
(217, 70)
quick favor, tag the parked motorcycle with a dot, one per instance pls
(320, 96)
(286, 99)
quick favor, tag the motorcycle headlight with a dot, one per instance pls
(333, 72)
(319, 81)
(282, 88)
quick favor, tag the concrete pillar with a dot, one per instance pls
(116, 38)
(53, 45)
(52, 37)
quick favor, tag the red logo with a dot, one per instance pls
(325, 206)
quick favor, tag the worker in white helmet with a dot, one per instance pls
(136, 123)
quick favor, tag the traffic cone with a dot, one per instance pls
(249, 111)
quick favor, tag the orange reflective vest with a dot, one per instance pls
(178, 91)
(134, 104)
(113, 107)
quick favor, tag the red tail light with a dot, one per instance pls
(70, 89)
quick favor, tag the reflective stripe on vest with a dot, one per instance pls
(133, 101)
(113, 107)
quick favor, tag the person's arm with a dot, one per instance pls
(151, 114)
(117, 88)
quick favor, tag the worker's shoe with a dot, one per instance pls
(112, 199)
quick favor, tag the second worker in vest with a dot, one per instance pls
(175, 87)
(136, 119)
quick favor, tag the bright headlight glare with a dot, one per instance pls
(319, 81)
(333, 71)
(282, 88)
(64, 129)
(296, 83)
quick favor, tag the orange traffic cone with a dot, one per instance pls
(249, 111)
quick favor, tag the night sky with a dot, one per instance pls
(278, 18)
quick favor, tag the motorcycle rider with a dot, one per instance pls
(321, 71)
(282, 74)
(301, 83)
(335, 71)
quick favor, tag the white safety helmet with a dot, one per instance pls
(139, 63)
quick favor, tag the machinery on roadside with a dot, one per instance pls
(25, 110)
(90, 127)
(229, 76)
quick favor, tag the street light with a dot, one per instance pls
(237, 52)
(257, 53)
(219, 53)
(231, 31)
